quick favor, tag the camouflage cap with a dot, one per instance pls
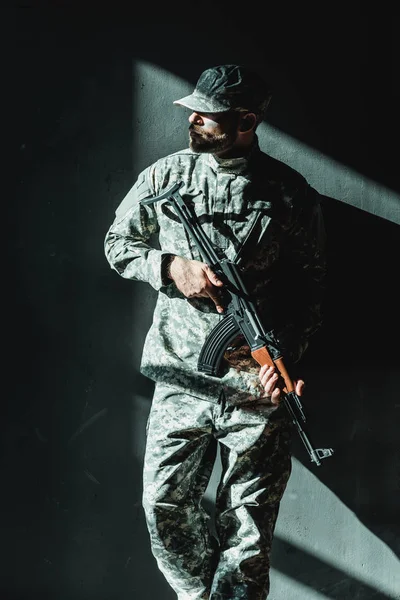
(227, 87)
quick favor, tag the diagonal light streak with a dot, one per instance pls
(313, 520)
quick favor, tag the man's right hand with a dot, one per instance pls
(195, 279)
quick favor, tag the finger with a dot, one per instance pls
(213, 277)
(269, 382)
(215, 295)
(264, 369)
(266, 382)
(217, 302)
(276, 396)
(299, 387)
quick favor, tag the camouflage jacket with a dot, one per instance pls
(283, 261)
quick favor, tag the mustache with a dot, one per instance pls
(193, 129)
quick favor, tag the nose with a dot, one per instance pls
(194, 118)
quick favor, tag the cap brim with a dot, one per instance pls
(197, 104)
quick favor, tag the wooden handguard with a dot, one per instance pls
(263, 357)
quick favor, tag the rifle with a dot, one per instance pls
(240, 317)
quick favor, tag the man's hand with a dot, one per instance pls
(269, 378)
(195, 279)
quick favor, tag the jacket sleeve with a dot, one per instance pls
(131, 242)
(306, 253)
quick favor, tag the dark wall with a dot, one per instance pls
(75, 408)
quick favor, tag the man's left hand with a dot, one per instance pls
(269, 378)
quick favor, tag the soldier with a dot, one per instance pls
(234, 188)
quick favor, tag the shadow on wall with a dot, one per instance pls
(351, 369)
(318, 575)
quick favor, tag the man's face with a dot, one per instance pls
(212, 132)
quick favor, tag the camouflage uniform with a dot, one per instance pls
(191, 410)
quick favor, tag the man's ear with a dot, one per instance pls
(247, 122)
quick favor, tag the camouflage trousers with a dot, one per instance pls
(182, 437)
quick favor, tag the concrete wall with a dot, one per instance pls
(94, 95)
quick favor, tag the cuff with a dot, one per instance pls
(164, 269)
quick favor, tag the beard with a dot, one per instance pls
(200, 141)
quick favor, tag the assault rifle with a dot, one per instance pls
(240, 317)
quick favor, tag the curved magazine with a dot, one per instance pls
(215, 345)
